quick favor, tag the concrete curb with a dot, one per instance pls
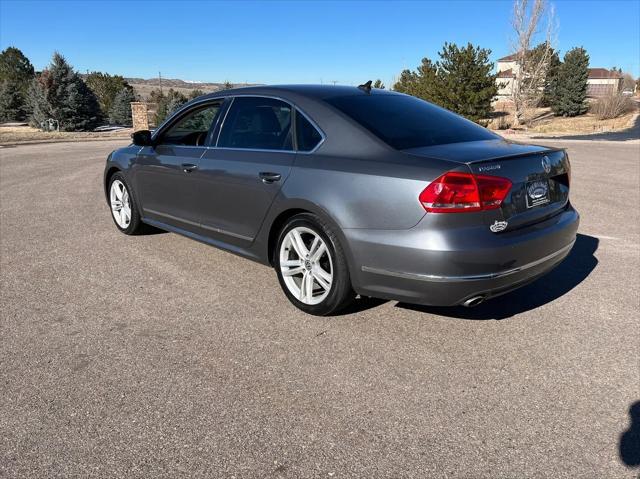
(61, 140)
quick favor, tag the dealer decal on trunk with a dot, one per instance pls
(537, 193)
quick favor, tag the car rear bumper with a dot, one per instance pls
(445, 267)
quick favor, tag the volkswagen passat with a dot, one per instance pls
(347, 191)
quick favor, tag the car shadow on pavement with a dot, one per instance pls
(630, 439)
(152, 230)
(574, 269)
(362, 303)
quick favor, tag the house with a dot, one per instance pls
(507, 69)
(600, 81)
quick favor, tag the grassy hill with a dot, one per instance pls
(143, 87)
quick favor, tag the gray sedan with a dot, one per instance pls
(348, 191)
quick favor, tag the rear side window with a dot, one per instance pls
(307, 136)
(257, 123)
(405, 122)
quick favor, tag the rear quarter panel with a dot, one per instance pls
(381, 193)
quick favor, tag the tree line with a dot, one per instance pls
(77, 102)
(59, 92)
(462, 80)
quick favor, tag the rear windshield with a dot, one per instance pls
(405, 122)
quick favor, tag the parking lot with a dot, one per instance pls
(159, 356)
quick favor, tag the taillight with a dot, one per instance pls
(456, 192)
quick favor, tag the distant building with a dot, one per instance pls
(599, 83)
(602, 82)
(508, 68)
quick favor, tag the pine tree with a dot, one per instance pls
(106, 87)
(552, 79)
(407, 83)
(16, 73)
(175, 100)
(166, 103)
(466, 84)
(195, 94)
(571, 92)
(13, 105)
(59, 93)
(37, 103)
(378, 84)
(120, 112)
(160, 99)
(423, 83)
(460, 81)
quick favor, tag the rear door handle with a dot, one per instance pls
(268, 177)
(189, 167)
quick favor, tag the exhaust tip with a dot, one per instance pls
(471, 302)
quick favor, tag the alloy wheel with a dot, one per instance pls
(306, 265)
(120, 204)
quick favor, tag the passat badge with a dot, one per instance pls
(498, 226)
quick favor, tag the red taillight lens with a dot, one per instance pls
(493, 191)
(456, 192)
(450, 193)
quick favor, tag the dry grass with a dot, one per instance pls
(502, 117)
(25, 134)
(614, 105)
(588, 123)
(542, 123)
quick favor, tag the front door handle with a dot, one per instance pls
(268, 177)
(189, 167)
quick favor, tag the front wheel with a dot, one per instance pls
(312, 267)
(124, 211)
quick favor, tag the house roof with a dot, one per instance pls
(597, 73)
(509, 58)
(506, 74)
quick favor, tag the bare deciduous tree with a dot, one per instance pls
(530, 18)
(628, 82)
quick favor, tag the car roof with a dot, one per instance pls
(311, 100)
(319, 92)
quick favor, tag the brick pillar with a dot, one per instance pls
(140, 116)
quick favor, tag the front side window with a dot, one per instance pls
(192, 129)
(306, 134)
(257, 123)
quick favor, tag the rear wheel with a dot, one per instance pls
(312, 267)
(124, 211)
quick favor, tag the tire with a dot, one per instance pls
(120, 196)
(321, 268)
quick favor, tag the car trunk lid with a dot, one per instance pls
(539, 176)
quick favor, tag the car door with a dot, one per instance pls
(240, 177)
(166, 171)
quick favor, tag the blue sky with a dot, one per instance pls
(295, 42)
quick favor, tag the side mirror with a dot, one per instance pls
(142, 138)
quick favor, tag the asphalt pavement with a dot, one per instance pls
(157, 356)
